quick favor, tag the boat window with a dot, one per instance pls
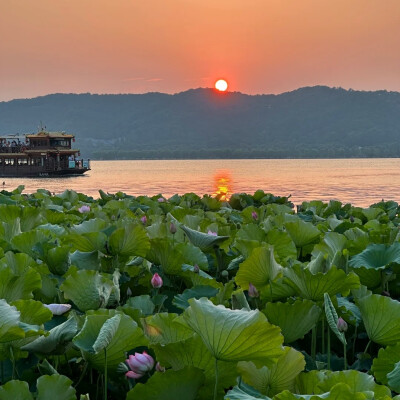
(9, 161)
(22, 161)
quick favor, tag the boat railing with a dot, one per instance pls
(19, 148)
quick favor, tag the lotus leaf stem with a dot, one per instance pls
(105, 374)
(345, 356)
(354, 341)
(84, 369)
(328, 351)
(314, 342)
(216, 380)
(323, 336)
(366, 349)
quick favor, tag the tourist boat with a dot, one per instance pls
(42, 154)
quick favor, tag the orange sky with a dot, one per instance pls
(259, 46)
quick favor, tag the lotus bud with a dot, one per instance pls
(212, 233)
(225, 273)
(254, 215)
(161, 200)
(159, 367)
(341, 325)
(84, 209)
(156, 281)
(172, 228)
(58, 309)
(196, 269)
(144, 220)
(139, 365)
(253, 292)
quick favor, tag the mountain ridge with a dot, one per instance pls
(314, 121)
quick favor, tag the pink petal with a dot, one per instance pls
(133, 375)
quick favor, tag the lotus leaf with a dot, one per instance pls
(30, 242)
(244, 393)
(118, 337)
(131, 240)
(85, 260)
(313, 286)
(271, 381)
(302, 233)
(234, 335)
(48, 385)
(204, 241)
(9, 323)
(283, 245)
(295, 319)
(196, 292)
(381, 317)
(89, 290)
(259, 269)
(15, 390)
(171, 385)
(332, 244)
(56, 342)
(142, 303)
(332, 318)
(86, 242)
(385, 363)
(193, 352)
(164, 328)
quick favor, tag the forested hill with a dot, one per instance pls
(200, 123)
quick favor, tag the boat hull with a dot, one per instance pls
(41, 174)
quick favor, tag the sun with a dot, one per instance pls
(221, 85)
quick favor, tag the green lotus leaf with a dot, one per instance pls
(271, 381)
(385, 362)
(283, 245)
(259, 269)
(350, 309)
(313, 286)
(381, 317)
(295, 319)
(92, 225)
(204, 241)
(251, 232)
(131, 240)
(170, 385)
(142, 303)
(245, 247)
(239, 300)
(193, 255)
(193, 352)
(57, 259)
(89, 290)
(164, 328)
(57, 341)
(332, 318)
(9, 323)
(341, 391)
(28, 242)
(9, 213)
(32, 312)
(356, 380)
(276, 290)
(57, 230)
(31, 218)
(118, 337)
(377, 256)
(162, 253)
(85, 260)
(86, 242)
(50, 385)
(332, 245)
(15, 390)
(15, 286)
(308, 382)
(18, 262)
(244, 392)
(234, 335)
(394, 378)
(302, 233)
(196, 292)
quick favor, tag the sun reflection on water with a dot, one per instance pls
(223, 185)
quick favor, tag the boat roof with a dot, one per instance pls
(49, 134)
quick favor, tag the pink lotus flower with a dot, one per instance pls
(172, 228)
(253, 292)
(161, 200)
(212, 233)
(156, 281)
(341, 325)
(254, 215)
(144, 220)
(84, 209)
(139, 365)
(58, 309)
(196, 269)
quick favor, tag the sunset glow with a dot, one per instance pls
(221, 85)
(223, 185)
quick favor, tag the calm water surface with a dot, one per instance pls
(359, 181)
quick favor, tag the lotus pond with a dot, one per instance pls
(195, 298)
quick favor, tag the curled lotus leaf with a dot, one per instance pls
(234, 335)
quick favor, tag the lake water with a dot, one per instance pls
(359, 181)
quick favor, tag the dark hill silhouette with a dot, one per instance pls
(200, 123)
